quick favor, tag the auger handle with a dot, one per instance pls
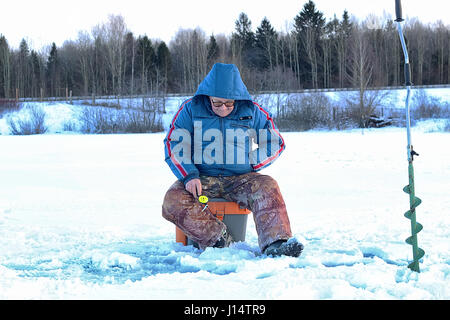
(398, 10)
(398, 14)
(408, 74)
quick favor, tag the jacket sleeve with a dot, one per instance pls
(270, 142)
(177, 146)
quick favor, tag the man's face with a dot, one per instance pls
(221, 107)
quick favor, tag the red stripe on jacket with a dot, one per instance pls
(172, 127)
(270, 159)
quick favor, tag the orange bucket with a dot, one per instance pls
(234, 217)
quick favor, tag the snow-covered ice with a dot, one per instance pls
(80, 218)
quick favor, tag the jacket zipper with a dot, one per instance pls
(224, 144)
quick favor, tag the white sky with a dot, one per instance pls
(42, 22)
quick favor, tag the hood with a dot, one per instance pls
(224, 81)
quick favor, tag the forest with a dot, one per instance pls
(312, 53)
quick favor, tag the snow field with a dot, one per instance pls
(80, 217)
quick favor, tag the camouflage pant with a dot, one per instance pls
(256, 192)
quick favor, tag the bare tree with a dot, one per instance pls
(100, 81)
(130, 56)
(418, 34)
(189, 51)
(115, 32)
(84, 44)
(223, 43)
(364, 103)
(441, 40)
(391, 55)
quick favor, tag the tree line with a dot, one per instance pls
(311, 53)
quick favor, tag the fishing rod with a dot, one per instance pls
(414, 201)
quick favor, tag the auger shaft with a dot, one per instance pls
(414, 201)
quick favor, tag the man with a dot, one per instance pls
(209, 149)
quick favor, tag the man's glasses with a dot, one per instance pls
(218, 104)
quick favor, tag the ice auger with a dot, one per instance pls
(410, 189)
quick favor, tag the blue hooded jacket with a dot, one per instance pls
(199, 142)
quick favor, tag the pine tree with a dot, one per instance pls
(345, 30)
(146, 59)
(309, 18)
(35, 73)
(243, 27)
(5, 75)
(346, 25)
(130, 57)
(23, 76)
(329, 49)
(266, 43)
(243, 41)
(309, 24)
(163, 64)
(213, 51)
(53, 71)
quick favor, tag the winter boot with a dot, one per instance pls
(289, 247)
(224, 240)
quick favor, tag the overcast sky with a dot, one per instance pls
(42, 22)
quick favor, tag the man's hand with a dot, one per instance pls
(194, 186)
